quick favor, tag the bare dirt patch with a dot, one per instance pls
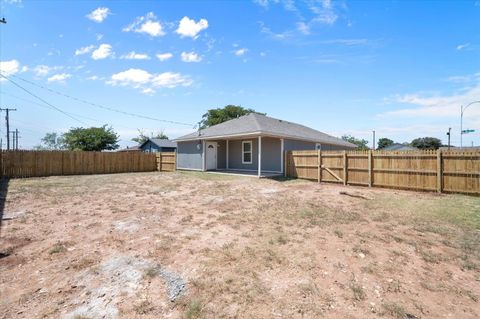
(193, 245)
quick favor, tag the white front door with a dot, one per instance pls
(211, 155)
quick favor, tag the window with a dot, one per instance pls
(318, 146)
(247, 152)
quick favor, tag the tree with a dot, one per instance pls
(384, 142)
(220, 115)
(142, 137)
(427, 143)
(361, 143)
(91, 139)
(51, 141)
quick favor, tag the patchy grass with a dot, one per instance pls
(246, 248)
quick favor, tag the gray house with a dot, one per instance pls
(153, 145)
(253, 144)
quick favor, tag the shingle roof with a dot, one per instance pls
(161, 142)
(257, 123)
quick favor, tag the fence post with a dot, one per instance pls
(159, 159)
(285, 164)
(439, 172)
(370, 168)
(345, 168)
(319, 166)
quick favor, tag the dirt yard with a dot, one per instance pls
(196, 245)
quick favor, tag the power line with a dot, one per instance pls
(39, 98)
(100, 105)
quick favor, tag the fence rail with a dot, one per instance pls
(14, 164)
(441, 171)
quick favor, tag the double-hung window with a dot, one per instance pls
(247, 152)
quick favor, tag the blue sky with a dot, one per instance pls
(402, 68)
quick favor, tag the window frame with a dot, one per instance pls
(245, 152)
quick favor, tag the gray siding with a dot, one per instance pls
(271, 154)
(189, 155)
(235, 154)
(297, 145)
(221, 154)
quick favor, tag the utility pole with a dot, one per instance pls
(13, 139)
(374, 140)
(7, 119)
(16, 137)
(448, 134)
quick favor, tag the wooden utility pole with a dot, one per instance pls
(7, 120)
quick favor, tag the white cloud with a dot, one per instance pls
(190, 57)
(189, 28)
(135, 56)
(348, 42)
(148, 82)
(463, 46)
(240, 52)
(99, 14)
(59, 77)
(99, 36)
(303, 28)
(41, 70)
(84, 50)
(102, 52)
(93, 78)
(164, 56)
(437, 105)
(147, 24)
(170, 80)
(9, 67)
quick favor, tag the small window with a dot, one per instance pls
(318, 147)
(247, 152)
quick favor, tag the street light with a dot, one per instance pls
(462, 109)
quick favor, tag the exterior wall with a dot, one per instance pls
(190, 155)
(221, 154)
(297, 145)
(235, 154)
(329, 147)
(168, 149)
(271, 152)
(150, 147)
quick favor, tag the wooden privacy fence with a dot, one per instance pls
(48, 163)
(441, 171)
(166, 161)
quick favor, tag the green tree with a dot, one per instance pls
(220, 115)
(142, 137)
(361, 143)
(384, 142)
(91, 139)
(427, 143)
(51, 141)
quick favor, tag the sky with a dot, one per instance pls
(401, 68)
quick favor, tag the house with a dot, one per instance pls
(253, 143)
(130, 149)
(399, 147)
(153, 145)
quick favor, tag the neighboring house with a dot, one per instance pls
(398, 147)
(130, 149)
(251, 143)
(154, 145)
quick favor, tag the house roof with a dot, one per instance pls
(160, 142)
(254, 123)
(399, 147)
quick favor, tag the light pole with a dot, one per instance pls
(462, 110)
